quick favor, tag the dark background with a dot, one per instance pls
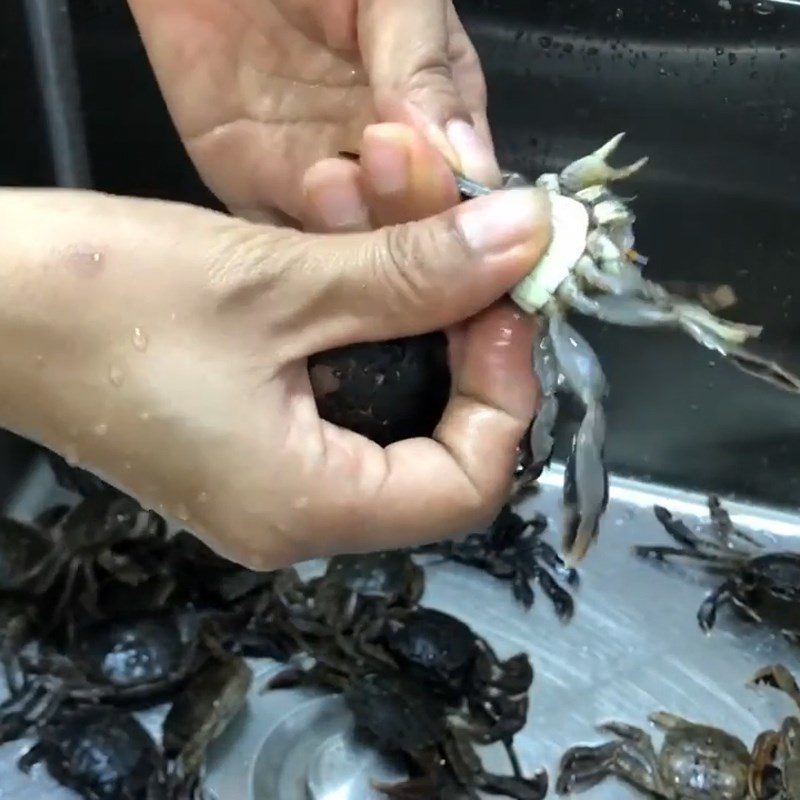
(710, 90)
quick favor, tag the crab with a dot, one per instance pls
(514, 550)
(350, 601)
(82, 540)
(199, 714)
(591, 267)
(488, 694)
(782, 746)
(101, 754)
(124, 662)
(696, 762)
(400, 716)
(762, 586)
(444, 653)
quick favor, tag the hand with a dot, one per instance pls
(165, 349)
(260, 90)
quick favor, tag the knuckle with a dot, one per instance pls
(402, 267)
(243, 266)
(417, 262)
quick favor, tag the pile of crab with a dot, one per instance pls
(105, 614)
(102, 616)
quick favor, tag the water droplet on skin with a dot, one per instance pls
(300, 502)
(116, 376)
(127, 466)
(144, 416)
(101, 429)
(40, 361)
(202, 497)
(139, 339)
(182, 513)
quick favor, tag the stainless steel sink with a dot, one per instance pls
(709, 90)
(633, 647)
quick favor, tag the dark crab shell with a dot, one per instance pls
(99, 753)
(769, 587)
(435, 646)
(386, 391)
(397, 713)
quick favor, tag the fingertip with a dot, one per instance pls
(405, 177)
(333, 197)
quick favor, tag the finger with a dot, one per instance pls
(407, 54)
(421, 490)
(334, 199)
(404, 176)
(406, 279)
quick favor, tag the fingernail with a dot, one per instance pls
(476, 157)
(341, 207)
(386, 161)
(497, 223)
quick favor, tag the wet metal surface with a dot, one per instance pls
(633, 647)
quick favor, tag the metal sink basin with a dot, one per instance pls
(632, 648)
(709, 90)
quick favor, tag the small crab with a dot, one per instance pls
(389, 577)
(764, 587)
(696, 762)
(514, 550)
(345, 602)
(125, 662)
(83, 539)
(200, 713)
(783, 746)
(448, 656)
(100, 754)
(400, 716)
(591, 267)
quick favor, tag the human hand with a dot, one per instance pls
(260, 90)
(183, 378)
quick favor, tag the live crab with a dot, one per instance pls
(696, 761)
(591, 267)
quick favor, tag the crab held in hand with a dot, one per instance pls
(591, 267)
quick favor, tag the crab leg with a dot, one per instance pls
(778, 677)
(546, 368)
(586, 477)
(707, 614)
(711, 332)
(594, 169)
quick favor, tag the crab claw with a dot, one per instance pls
(594, 168)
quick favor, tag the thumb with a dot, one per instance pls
(417, 277)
